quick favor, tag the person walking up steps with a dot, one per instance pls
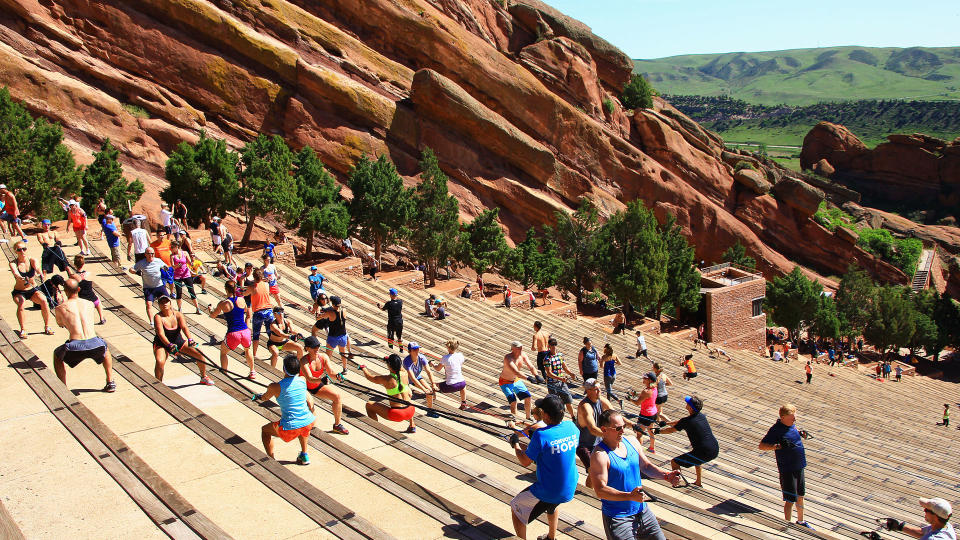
(296, 410)
(641, 345)
(936, 512)
(787, 443)
(588, 420)
(138, 240)
(687, 362)
(337, 332)
(610, 363)
(451, 364)
(647, 401)
(705, 445)
(398, 388)
(272, 277)
(588, 361)
(234, 310)
(76, 316)
(616, 471)
(510, 379)
(663, 381)
(946, 415)
(809, 370)
(260, 308)
(540, 346)
(556, 380)
(183, 277)
(394, 309)
(416, 366)
(172, 337)
(315, 367)
(25, 271)
(553, 449)
(315, 279)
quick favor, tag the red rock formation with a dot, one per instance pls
(511, 100)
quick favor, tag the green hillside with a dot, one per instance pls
(809, 76)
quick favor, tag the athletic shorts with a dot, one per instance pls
(323, 382)
(661, 400)
(451, 388)
(693, 459)
(74, 351)
(179, 342)
(515, 391)
(401, 414)
(152, 293)
(646, 420)
(541, 356)
(274, 289)
(277, 344)
(690, 375)
(9, 218)
(26, 294)
(240, 337)
(528, 508)
(792, 485)
(337, 341)
(289, 435)
(560, 390)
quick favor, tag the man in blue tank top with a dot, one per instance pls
(553, 449)
(615, 472)
(296, 410)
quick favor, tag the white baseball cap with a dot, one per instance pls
(3, 186)
(938, 506)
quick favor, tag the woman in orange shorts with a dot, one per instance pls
(296, 410)
(398, 388)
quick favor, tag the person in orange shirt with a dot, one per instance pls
(161, 246)
(691, 369)
(809, 370)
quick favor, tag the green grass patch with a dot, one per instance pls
(900, 252)
(136, 110)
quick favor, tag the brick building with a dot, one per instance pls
(734, 306)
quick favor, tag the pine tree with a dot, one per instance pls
(892, 319)
(104, 178)
(436, 214)
(381, 206)
(737, 255)
(632, 256)
(482, 244)
(855, 297)
(204, 177)
(267, 183)
(324, 211)
(793, 301)
(683, 280)
(576, 237)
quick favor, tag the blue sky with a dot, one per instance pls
(658, 28)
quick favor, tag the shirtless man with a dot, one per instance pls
(11, 212)
(77, 316)
(540, 345)
(510, 378)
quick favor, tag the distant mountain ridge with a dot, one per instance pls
(809, 76)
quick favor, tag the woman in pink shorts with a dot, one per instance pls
(234, 310)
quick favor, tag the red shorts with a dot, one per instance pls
(400, 415)
(240, 337)
(274, 289)
(287, 436)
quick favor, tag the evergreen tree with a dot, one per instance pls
(892, 319)
(826, 321)
(683, 280)
(925, 332)
(522, 261)
(381, 206)
(104, 178)
(482, 244)
(576, 236)
(793, 301)
(437, 217)
(946, 316)
(267, 183)
(324, 211)
(34, 163)
(638, 93)
(854, 299)
(632, 256)
(548, 264)
(204, 177)
(737, 254)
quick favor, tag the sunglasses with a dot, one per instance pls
(615, 428)
(21, 249)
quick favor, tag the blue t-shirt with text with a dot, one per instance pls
(790, 459)
(554, 450)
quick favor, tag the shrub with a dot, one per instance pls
(833, 217)
(638, 93)
(608, 105)
(741, 165)
(136, 110)
(900, 252)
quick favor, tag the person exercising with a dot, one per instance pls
(398, 408)
(172, 337)
(705, 445)
(76, 315)
(296, 410)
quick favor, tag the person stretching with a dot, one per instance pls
(398, 388)
(705, 446)
(452, 366)
(169, 341)
(234, 310)
(510, 379)
(76, 315)
(314, 367)
(25, 271)
(296, 410)
(281, 337)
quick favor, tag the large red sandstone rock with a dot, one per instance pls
(339, 76)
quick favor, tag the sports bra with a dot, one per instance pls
(314, 374)
(29, 273)
(172, 335)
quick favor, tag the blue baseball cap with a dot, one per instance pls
(413, 345)
(392, 291)
(313, 268)
(694, 402)
(45, 222)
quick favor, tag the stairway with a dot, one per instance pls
(921, 279)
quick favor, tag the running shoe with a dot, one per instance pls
(303, 458)
(338, 428)
(111, 387)
(432, 414)
(805, 524)
(411, 429)
(207, 381)
(252, 376)
(463, 405)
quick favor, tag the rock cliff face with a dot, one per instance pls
(518, 101)
(914, 168)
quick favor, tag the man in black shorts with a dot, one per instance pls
(705, 446)
(394, 309)
(784, 438)
(77, 316)
(588, 420)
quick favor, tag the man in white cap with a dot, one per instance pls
(936, 512)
